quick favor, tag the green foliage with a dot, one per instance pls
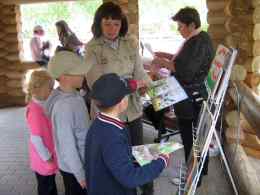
(90, 7)
(157, 13)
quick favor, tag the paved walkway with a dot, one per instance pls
(17, 179)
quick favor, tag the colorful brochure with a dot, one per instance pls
(144, 154)
(166, 92)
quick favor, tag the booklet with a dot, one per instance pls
(144, 154)
(166, 92)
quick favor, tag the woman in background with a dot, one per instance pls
(68, 39)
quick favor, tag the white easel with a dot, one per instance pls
(212, 109)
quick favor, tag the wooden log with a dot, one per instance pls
(250, 106)
(2, 44)
(13, 48)
(16, 92)
(216, 5)
(247, 46)
(11, 38)
(2, 89)
(217, 31)
(252, 80)
(3, 53)
(256, 15)
(14, 75)
(9, 9)
(9, 20)
(237, 7)
(233, 136)
(216, 17)
(12, 56)
(255, 3)
(248, 64)
(252, 152)
(14, 84)
(239, 23)
(3, 62)
(256, 64)
(245, 126)
(11, 28)
(245, 174)
(242, 57)
(251, 141)
(7, 100)
(216, 42)
(22, 66)
(256, 32)
(257, 89)
(232, 118)
(2, 80)
(256, 48)
(238, 73)
(2, 34)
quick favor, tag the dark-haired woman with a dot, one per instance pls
(190, 66)
(113, 51)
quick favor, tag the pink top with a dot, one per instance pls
(36, 48)
(40, 125)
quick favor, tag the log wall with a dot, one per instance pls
(11, 68)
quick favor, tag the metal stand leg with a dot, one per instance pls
(225, 162)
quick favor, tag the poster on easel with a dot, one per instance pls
(166, 92)
(219, 62)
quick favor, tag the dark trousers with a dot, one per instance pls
(135, 129)
(72, 187)
(46, 184)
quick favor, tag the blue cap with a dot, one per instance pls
(110, 89)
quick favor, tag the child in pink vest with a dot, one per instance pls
(37, 85)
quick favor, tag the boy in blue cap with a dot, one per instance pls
(110, 167)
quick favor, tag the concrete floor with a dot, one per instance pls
(16, 178)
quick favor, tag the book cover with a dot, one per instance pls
(144, 154)
(166, 92)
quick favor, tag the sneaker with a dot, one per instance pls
(176, 181)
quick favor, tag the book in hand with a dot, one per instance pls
(144, 154)
(166, 92)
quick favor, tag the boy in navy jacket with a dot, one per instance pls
(110, 167)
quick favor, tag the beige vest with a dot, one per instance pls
(125, 61)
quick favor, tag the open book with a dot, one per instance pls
(166, 92)
(144, 154)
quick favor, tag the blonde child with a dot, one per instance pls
(70, 119)
(37, 85)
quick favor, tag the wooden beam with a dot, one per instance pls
(245, 174)
(32, 1)
(250, 105)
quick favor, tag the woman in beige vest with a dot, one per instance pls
(112, 51)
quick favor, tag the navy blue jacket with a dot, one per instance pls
(109, 162)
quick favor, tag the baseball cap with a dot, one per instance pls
(110, 89)
(67, 62)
